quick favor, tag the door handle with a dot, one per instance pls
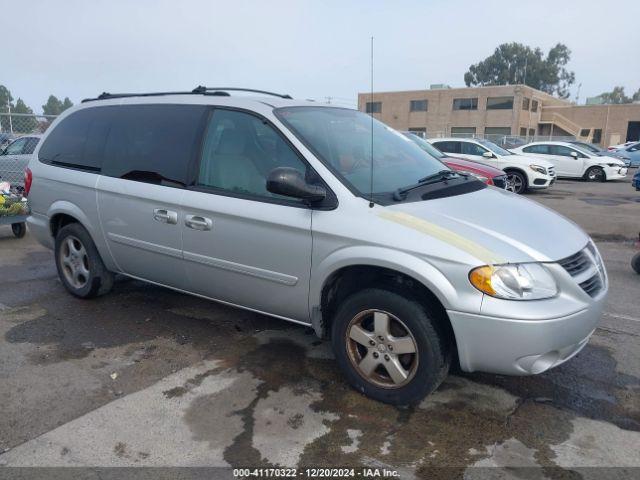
(165, 216)
(198, 223)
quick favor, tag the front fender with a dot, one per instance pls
(408, 264)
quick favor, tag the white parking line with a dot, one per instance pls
(623, 317)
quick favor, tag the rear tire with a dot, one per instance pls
(635, 263)
(399, 365)
(595, 174)
(518, 182)
(79, 264)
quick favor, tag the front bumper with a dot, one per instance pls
(539, 181)
(615, 173)
(521, 347)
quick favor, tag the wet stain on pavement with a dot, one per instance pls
(454, 427)
(588, 385)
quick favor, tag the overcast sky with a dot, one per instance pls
(308, 49)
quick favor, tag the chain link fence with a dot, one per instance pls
(19, 136)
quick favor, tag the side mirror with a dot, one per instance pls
(488, 155)
(289, 182)
(574, 154)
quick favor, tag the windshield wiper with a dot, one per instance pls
(441, 176)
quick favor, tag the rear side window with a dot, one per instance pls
(448, 147)
(153, 143)
(65, 145)
(563, 151)
(541, 149)
(469, 148)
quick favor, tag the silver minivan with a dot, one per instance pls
(321, 216)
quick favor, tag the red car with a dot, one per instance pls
(489, 175)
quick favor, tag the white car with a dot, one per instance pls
(573, 162)
(523, 172)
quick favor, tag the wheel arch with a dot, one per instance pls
(63, 212)
(365, 267)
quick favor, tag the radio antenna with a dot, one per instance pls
(371, 114)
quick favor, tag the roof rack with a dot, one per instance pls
(222, 90)
(199, 90)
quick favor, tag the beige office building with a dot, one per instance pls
(501, 111)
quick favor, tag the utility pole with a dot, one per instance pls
(578, 93)
(9, 110)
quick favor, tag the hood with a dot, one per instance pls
(506, 227)
(472, 166)
(611, 160)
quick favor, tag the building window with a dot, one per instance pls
(463, 131)
(465, 103)
(585, 132)
(534, 105)
(532, 132)
(499, 103)
(525, 103)
(597, 135)
(418, 105)
(374, 107)
(523, 131)
(420, 131)
(497, 130)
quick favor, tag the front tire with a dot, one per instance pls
(595, 174)
(389, 346)
(79, 264)
(517, 182)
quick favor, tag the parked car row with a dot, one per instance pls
(523, 173)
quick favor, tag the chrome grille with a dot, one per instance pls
(592, 286)
(587, 269)
(552, 171)
(576, 264)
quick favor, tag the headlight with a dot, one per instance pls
(539, 169)
(517, 281)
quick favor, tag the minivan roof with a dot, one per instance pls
(204, 95)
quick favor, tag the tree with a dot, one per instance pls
(615, 96)
(25, 122)
(55, 107)
(636, 96)
(514, 63)
(5, 99)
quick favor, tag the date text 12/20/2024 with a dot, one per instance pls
(314, 472)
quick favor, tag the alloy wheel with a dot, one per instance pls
(75, 262)
(514, 183)
(381, 348)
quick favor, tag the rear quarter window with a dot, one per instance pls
(66, 144)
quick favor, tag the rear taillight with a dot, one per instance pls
(28, 179)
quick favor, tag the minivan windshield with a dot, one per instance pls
(495, 148)
(342, 138)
